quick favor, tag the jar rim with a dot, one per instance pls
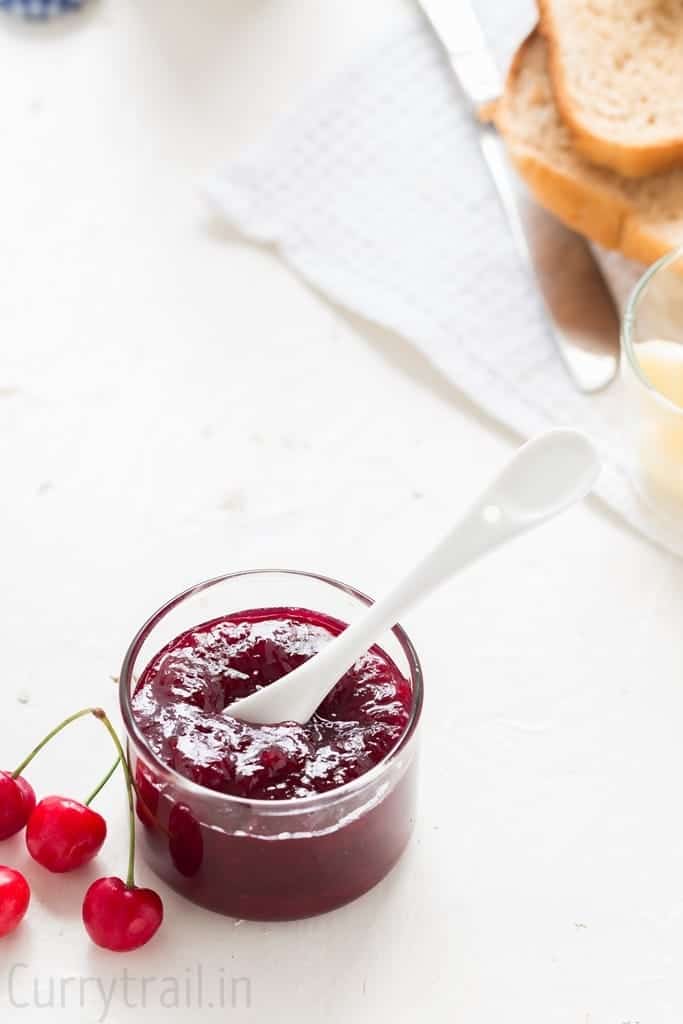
(295, 805)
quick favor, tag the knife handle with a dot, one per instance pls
(581, 311)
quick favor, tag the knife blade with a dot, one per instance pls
(580, 310)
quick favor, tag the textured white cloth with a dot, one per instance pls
(376, 193)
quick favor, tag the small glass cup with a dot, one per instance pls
(270, 859)
(652, 371)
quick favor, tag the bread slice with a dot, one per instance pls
(617, 74)
(643, 218)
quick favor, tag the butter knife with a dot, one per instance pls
(580, 309)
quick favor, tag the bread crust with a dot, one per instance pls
(594, 209)
(630, 161)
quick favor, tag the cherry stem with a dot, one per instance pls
(101, 714)
(130, 788)
(50, 736)
(104, 782)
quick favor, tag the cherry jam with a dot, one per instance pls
(182, 705)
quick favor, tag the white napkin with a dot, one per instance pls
(376, 193)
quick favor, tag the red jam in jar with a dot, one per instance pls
(279, 821)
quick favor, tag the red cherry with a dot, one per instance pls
(15, 897)
(121, 917)
(17, 801)
(63, 834)
(28, 794)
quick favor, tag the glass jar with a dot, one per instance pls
(270, 859)
(652, 370)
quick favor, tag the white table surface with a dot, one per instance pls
(174, 404)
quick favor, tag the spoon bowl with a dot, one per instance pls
(548, 474)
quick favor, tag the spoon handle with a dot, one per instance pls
(479, 532)
(544, 477)
(467, 541)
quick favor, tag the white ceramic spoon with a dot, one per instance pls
(544, 477)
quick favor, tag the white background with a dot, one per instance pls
(174, 404)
